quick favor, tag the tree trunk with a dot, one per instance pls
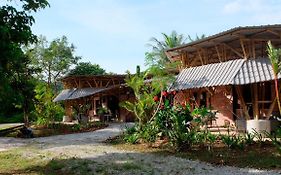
(277, 93)
(25, 118)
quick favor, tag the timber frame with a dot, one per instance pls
(113, 87)
(238, 43)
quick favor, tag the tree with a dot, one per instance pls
(157, 54)
(196, 38)
(46, 110)
(54, 59)
(275, 58)
(144, 106)
(15, 32)
(84, 68)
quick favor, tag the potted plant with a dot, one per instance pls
(82, 115)
(101, 112)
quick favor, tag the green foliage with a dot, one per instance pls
(131, 135)
(196, 38)
(15, 32)
(46, 110)
(52, 59)
(249, 138)
(276, 139)
(84, 68)
(275, 58)
(144, 105)
(233, 141)
(157, 54)
(16, 118)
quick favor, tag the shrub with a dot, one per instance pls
(276, 139)
(46, 111)
(233, 141)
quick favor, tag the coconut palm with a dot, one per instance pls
(157, 55)
(196, 38)
(275, 58)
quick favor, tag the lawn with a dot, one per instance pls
(32, 161)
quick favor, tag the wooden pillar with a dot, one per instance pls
(254, 88)
(242, 102)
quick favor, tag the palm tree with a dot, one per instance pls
(196, 38)
(275, 58)
(157, 55)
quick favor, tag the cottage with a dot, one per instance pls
(92, 95)
(229, 72)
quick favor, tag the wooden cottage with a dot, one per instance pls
(91, 95)
(229, 72)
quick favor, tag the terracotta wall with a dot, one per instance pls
(219, 99)
(222, 101)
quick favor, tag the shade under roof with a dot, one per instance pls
(233, 72)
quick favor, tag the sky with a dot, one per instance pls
(115, 33)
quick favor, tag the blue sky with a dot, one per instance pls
(114, 33)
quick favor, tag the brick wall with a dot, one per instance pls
(220, 100)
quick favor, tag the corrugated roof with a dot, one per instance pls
(233, 72)
(70, 94)
(208, 75)
(64, 95)
(84, 92)
(254, 71)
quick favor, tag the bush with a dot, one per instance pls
(233, 141)
(46, 111)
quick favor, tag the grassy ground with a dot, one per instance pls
(259, 156)
(32, 161)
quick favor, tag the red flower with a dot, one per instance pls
(155, 98)
(174, 92)
(183, 104)
(165, 94)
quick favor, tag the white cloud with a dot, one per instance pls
(243, 6)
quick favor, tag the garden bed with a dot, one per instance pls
(259, 156)
(61, 128)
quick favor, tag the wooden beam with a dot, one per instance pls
(233, 50)
(218, 53)
(253, 49)
(242, 102)
(96, 83)
(89, 83)
(200, 56)
(243, 49)
(274, 33)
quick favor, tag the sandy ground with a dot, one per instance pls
(89, 146)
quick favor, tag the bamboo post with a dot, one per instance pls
(242, 102)
(255, 100)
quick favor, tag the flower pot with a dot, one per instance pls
(83, 119)
(260, 126)
(66, 119)
(241, 125)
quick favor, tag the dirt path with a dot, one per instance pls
(88, 150)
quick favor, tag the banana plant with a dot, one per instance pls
(275, 58)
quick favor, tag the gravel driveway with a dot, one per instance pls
(89, 146)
